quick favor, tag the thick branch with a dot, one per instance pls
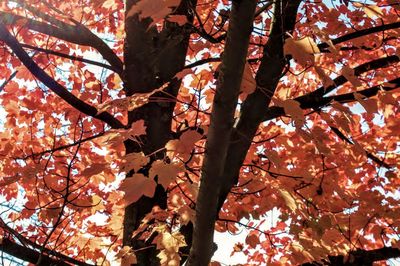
(9, 246)
(53, 85)
(30, 255)
(71, 57)
(218, 138)
(268, 75)
(27, 254)
(77, 34)
(360, 257)
(360, 33)
(371, 156)
(319, 102)
(371, 65)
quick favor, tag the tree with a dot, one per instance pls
(135, 130)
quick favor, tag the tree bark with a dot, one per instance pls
(222, 118)
(152, 58)
(267, 78)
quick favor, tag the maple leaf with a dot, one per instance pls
(137, 186)
(302, 50)
(184, 144)
(133, 161)
(166, 172)
(292, 108)
(127, 256)
(369, 105)
(157, 10)
(179, 19)
(348, 73)
(252, 240)
(372, 11)
(97, 204)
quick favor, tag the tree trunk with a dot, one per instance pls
(151, 59)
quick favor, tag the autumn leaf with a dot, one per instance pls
(9, 180)
(157, 10)
(302, 50)
(127, 256)
(179, 19)
(372, 11)
(137, 186)
(133, 161)
(108, 3)
(370, 105)
(326, 80)
(185, 143)
(183, 73)
(97, 204)
(292, 108)
(348, 73)
(166, 172)
(94, 169)
(252, 240)
(289, 199)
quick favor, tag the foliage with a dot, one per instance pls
(127, 123)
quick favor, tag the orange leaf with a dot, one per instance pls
(185, 143)
(302, 50)
(166, 172)
(137, 186)
(133, 161)
(157, 10)
(179, 19)
(252, 240)
(370, 105)
(348, 73)
(292, 108)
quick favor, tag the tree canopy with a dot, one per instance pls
(133, 130)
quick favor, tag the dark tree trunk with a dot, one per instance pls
(151, 59)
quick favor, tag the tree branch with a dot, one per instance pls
(71, 57)
(53, 85)
(77, 34)
(319, 102)
(360, 257)
(267, 78)
(360, 33)
(25, 253)
(218, 138)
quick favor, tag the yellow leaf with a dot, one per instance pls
(373, 11)
(108, 3)
(97, 203)
(289, 200)
(302, 50)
